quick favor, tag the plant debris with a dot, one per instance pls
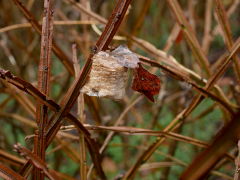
(125, 57)
(107, 78)
(145, 82)
(109, 75)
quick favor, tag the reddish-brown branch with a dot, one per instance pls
(59, 53)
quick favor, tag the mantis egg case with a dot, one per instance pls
(107, 78)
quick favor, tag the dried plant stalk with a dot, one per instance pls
(236, 174)
(190, 36)
(59, 53)
(21, 98)
(137, 25)
(8, 174)
(110, 135)
(193, 43)
(82, 116)
(36, 142)
(205, 161)
(227, 34)
(35, 161)
(207, 28)
(44, 80)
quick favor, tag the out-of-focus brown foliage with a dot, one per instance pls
(192, 46)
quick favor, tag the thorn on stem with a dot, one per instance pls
(95, 48)
(119, 15)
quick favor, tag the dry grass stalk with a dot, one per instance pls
(44, 73)
(200, 167)
(9, 174)
(59, 53)
(207, 28)
(190, 36)
(82, 118)
(62, 23)
(36, 161)
(236, 174)
(137, 26)
(227, 34)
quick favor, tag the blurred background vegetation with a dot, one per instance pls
(20, 52)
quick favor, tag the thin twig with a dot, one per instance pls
(82, 118)
(236, 174)
(110, 135)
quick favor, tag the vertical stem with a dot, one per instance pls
(44, 81)
(193, 43)
(85, 31)
(83, 158)
(139, 22)
(35, 152)
(207, 28)
(82, 118)
(191, 15)
(237, 163)
(227, 34)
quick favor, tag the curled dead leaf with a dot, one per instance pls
(145, 82)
